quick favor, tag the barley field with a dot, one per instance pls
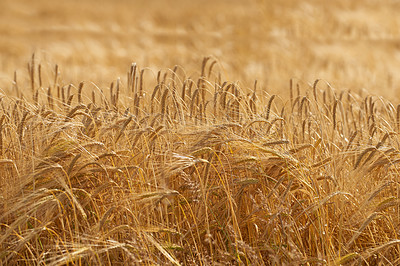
(199, 132)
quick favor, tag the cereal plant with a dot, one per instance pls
(196, 170)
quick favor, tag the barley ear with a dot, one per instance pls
(269, 106)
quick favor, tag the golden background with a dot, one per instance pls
(353, 45)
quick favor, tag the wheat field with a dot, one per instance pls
(199, 133)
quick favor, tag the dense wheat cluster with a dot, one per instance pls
(281, 147)
(196, 170)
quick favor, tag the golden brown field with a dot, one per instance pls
(135, 132)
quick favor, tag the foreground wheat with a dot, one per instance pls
(197, 171)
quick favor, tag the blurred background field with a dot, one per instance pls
(350, 44)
